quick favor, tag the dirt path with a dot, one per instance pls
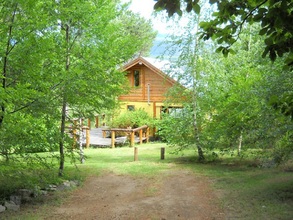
(172, 195)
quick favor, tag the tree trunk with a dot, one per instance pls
(240, 143)
(81, 153)
(62, 133)
(5, 63)
(195, 77)
(201, 157)
(64, 103)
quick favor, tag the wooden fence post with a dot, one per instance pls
(113, 139)
(135, 154)
(74, 132)
(97, 121)
(87, 136)
(89, 123)
(147, 134)
(132, 139)
(162, 153)
(140, 136)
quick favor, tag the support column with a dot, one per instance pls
(113, 139)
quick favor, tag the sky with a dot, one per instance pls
(145, 9)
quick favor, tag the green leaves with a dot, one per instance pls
(231, 17)
(66, 50)
(283, 103)
(174, 6)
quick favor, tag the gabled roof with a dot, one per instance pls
(143, 61)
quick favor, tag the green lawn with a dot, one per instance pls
(246, 192)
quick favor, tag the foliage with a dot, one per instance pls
(236, 101)
(27, 172)
(177, 130)
(235, 95)
(233, 99)
(231, 16)
(133, 119)
(59, 60)
(33, 135)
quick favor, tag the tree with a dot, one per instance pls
(230, 18)
(185, 51)
(92, 52)
(274, 28)
(235, 101)
(23, 79)
(232, 96)
(60, 60)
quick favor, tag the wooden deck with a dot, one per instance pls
(97, 139)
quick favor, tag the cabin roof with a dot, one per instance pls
(144, 61)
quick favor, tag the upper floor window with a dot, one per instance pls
(136, 76)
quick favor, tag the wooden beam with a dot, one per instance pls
(87, 137)
(140, 136)
(135, 154)
(154, 110)
(162, 153)
(147, 134)
(113, 139)
(97, 121)
(132, 139)
(89, 123)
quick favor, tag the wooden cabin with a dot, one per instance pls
(148, 88)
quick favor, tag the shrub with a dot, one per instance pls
(133, 119)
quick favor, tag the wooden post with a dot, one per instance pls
(147, 134)
(87, 136)
(135, 154)
(97, 121)
(154, 110)
(132, 139)
(162, 153)
(89, 123)
(113, 139)
(103, 119)
(104, 134)
(140, 136)
(74, 132)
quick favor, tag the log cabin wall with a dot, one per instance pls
(152, 86)
(148, 88)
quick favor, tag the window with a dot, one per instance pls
(130, 108)
(175, 112)
(136, 77)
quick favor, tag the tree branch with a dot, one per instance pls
(246, 17)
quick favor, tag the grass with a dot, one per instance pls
(245, 191)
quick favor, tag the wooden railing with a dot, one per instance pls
(143, 134)
(74, 131)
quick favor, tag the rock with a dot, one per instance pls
(26, 195)
(67, 185)
(2, 208)
(11, 206)
(51, 187)
(64, 186)
(74, 183)
(43, 192)
(15, 199)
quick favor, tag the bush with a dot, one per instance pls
(133, 119)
